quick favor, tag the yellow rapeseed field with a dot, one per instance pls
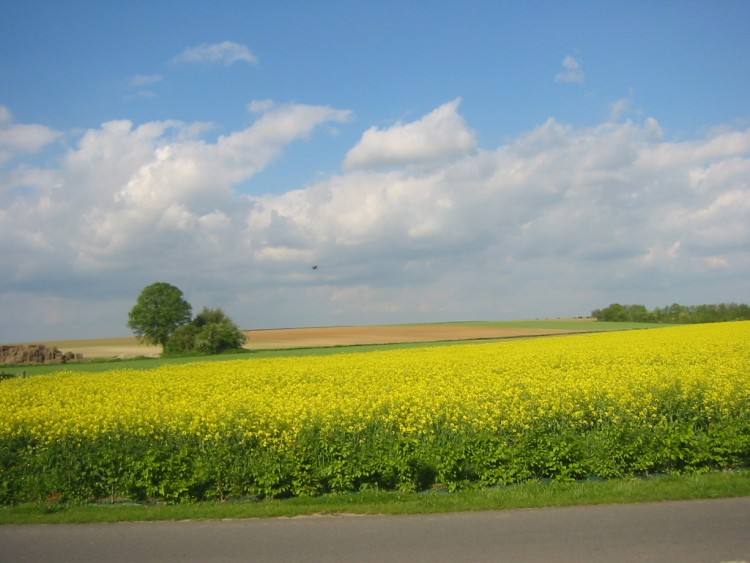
(697, 377)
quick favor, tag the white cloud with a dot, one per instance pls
(23, 138)
(555, 222)
(440, 136)
(225, 53)
(572, 71)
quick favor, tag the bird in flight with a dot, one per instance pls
(315, 267)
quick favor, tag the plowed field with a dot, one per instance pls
(351, 335)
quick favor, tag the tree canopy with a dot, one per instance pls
(674, 313)
(159, 311)
(210, 332)
(162, 316)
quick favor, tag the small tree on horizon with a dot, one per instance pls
(159, 311)
(211, 332)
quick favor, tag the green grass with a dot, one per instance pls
(533, 494)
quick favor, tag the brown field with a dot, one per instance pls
(351, 335)
(311, 338)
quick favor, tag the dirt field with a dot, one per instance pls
(350, 335)
(310, 338)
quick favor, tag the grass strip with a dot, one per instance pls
(533, 494)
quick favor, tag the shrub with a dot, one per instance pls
(211, 332)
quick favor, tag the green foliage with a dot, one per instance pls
(159, 311)
(216, 332)
(210, 316)
(183, 340)
(162, 316)
(673, 314)
(211, 332)
(169, 466)
(531, 494)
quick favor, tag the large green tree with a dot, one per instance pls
(160, 310)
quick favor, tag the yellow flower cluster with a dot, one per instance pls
(582, 381)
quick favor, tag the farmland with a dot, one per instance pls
(325, 337)
(592, 405)
(322, 337)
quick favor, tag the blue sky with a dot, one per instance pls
(436, 160)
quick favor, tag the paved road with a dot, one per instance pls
(692, 531)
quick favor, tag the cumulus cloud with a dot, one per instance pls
(572, 71)
(557, 221)
(225, 53)
(127, 191)
(437, 137)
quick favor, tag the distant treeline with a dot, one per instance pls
(674, 313)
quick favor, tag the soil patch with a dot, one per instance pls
(353, 335)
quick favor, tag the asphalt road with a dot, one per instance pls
(688, 531)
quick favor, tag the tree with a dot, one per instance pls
(211, 332)
(158, 313)
(637, 313)
(182, 340)
(674, 313)
(615, 312)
